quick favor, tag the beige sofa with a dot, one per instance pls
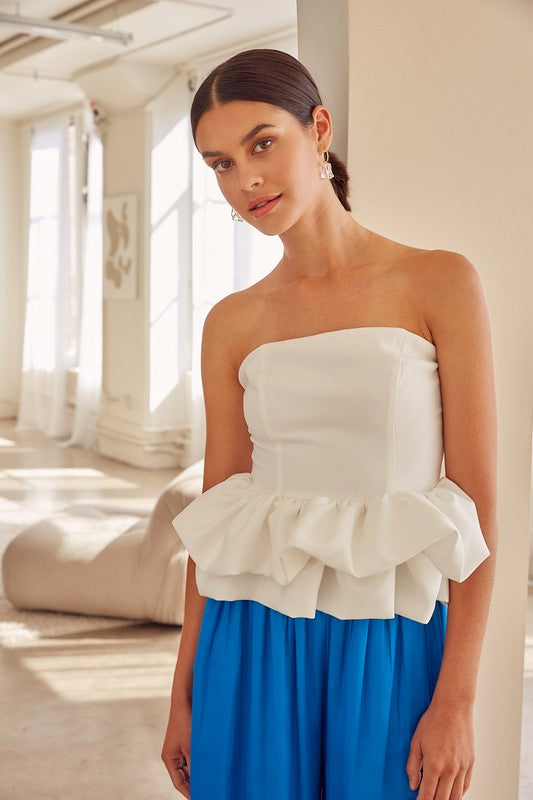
(105, 560)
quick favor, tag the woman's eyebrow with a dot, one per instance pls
(250, 135)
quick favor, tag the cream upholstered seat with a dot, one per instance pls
(105, 560)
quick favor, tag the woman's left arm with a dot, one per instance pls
(443, 743)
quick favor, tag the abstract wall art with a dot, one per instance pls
(120, 246)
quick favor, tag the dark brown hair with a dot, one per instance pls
(267, 76)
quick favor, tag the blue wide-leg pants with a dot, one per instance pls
(298, 708)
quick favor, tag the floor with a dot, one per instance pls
(84, 701)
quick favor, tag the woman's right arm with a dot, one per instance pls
(194, 608)
(177, 744)
(228, 450)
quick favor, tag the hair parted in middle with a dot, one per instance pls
(263, 75)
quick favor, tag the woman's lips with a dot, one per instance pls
(260, 212)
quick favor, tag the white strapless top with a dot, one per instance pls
(344, 510)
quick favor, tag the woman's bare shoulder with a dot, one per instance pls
(442, 275)
(243, 305)
(231, 321)
(444, 282)
(426, 284)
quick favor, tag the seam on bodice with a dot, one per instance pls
(392, 418)
(266, 422)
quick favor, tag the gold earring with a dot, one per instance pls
(325, 168)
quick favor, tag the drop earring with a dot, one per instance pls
(236, 216)
(325, 168)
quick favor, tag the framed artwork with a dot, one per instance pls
(120, 247)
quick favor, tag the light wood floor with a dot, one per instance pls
(83, 713)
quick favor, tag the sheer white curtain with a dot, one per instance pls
(226, 256)
(89, 371)
(63, 322)
(52, 254)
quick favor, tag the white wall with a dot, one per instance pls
(123, 427)
(125, 142)
(441, 156)
(11, 277)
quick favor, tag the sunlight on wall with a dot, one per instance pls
(170, 185)
(198, 256)
(227, 256)
(170, 173)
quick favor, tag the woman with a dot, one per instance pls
(342, 587)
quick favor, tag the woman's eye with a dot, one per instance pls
(263, 141)
(217, 165)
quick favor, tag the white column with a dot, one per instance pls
(145, 392)
(12, 272)
(440, 152)
(323, 48)
(441, 141)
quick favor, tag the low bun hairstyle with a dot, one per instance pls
(267, 76)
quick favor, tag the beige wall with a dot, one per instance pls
(440, 155)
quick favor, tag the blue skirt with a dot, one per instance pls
(302, 708)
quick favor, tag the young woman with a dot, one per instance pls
(338, 586)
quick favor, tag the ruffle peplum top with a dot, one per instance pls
(345, 509)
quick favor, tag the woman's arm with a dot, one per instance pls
(192, 619)
(460, 326)
(228, 450)
(461, 331)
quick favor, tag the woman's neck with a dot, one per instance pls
(321, 242)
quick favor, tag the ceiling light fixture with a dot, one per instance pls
(62, 30)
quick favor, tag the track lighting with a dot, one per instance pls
(62, 30)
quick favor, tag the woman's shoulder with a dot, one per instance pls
(436, 273)
(243, 303)
(233, 318)
(441, 277)
(403, 256)
(421, 280)
(443, 262)
(427, 284)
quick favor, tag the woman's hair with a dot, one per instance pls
(267, 76)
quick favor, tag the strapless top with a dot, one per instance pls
(345, 509)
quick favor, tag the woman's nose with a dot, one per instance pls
(249, 179)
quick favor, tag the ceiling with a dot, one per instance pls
(39, 74)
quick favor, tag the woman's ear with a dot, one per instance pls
(323, 127)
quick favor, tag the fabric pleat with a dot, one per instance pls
(344, 509)
(308, 708)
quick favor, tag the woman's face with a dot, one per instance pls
(259, 151)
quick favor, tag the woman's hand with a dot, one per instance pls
(443, 746)
(176, 752)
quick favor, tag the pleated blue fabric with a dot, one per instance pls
(298, 708)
